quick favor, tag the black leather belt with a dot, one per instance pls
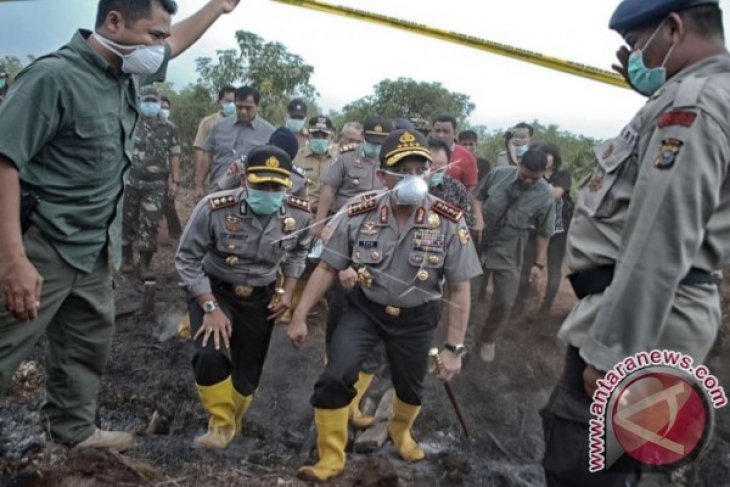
(596, 280)
(393, 311)
(240, 290)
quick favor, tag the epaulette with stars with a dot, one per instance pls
(361, 207)
(300, 203)
(221, 202)
(348, 148)
(451, 212)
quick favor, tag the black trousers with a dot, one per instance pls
(174, 229)
(555, 255)
(364, 324)
(249, 340)
(337, 302)
(565, 426)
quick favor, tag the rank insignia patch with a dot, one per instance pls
(463, 236)
(668, 152)
(683, 119)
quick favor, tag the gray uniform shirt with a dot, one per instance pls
(230, 139)
(657, 205)
(408, 267)
(351, 174)
(226, 240)
(510, 213)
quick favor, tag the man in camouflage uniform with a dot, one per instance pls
(156, 151)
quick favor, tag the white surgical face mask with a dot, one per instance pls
(410, 190)
(142, 60)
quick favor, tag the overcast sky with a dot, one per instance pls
(350, 56)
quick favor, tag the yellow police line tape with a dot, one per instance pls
(570, 67)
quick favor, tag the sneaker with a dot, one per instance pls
(112, 440)
(486, 352)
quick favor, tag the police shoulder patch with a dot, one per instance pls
(451, 212)
(361, 207)
(348, 148)
(297, 202)
(218, 202)
(668, 152)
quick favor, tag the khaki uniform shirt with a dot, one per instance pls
(351, 174)
(509, 215)
(67, 124)
(407, 267)
(657, 205)
(228, 241)
(204, 128)
(314, 167)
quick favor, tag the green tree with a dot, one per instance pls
(13, 65)
(405, 97)
(278, 74)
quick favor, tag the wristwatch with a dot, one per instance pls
(210, 306)
(457, 350)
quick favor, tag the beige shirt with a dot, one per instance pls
(314, 167)
(206, 124)
(657, 205)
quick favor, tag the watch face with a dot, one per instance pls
(456, 349)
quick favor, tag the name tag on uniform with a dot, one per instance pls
(367, 244)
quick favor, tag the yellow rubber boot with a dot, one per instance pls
(331, 427)
(240, 406)
(357, 418)
(218, 401)
(183, 328)
(399, 430)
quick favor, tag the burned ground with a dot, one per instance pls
(148, 388)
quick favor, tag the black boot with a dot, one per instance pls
(127, 259)
(145, 269)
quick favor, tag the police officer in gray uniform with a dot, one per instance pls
(228, 259)
(651, 224)
(404, 244)
(352, 172)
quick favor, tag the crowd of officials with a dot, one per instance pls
(396, 223)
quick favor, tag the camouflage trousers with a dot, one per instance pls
(141, 216)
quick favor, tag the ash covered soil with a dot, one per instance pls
(148, 388)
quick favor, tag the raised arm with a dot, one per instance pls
(184, 34)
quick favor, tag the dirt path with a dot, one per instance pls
(148, 377)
